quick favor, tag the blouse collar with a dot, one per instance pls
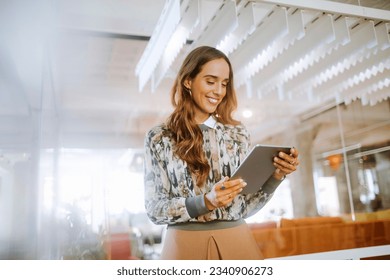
(211, 122)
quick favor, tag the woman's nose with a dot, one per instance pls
(218, 89)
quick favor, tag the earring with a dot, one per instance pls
(189, 90)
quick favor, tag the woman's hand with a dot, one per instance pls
(223, 193)
(285, 164)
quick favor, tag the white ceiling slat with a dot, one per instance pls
(257, 42)
(357, 54)
(364, 89)
(383, 36)
(246, 25)
(189, 21)
(362, 80)
(319, 33)
(367, 91)
(337, 61)
(295, 32)
(376, 91)
(166, 25)
(379, 93)
(308, 63)
(322, 57)
(221, 25)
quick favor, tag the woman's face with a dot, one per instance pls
(209, 88)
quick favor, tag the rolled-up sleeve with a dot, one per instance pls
(196, 206)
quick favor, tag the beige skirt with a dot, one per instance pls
(204, 242)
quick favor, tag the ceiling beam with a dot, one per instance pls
(334, 8)
(103, 34)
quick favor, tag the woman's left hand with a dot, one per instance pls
(223, 193)
(285, 164)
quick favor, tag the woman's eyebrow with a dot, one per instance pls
(214, 77)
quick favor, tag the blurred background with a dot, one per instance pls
(81, 82)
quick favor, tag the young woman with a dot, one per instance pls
(188, 162)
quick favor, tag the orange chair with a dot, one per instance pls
(118, 247)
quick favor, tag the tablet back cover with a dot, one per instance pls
(258, 166)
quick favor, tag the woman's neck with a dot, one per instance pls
(201, 119)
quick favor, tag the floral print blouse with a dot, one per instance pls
(171, 193)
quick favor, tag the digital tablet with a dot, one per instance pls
(258, 166)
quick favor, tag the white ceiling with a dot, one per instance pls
(82, 55)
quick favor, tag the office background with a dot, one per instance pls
(82, 81)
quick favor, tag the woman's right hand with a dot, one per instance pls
(223, 193)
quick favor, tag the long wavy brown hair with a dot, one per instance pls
(181, 123)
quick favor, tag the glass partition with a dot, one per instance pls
(359, 167)
(347, 205)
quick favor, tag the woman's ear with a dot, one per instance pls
(187, 84)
